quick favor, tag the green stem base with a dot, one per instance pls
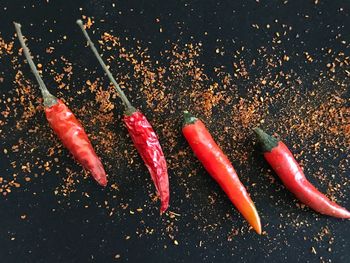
(267, 142)
(130, 110)
(188, 118)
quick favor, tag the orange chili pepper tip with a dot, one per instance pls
(257, 228)
(219, 167)
(254, 221)
(248, 210)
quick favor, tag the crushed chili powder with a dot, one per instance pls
(315, 121)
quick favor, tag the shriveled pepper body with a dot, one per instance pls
(72, 135)
(289, 171)
(220, 168)
(141, 133)
(148, 146)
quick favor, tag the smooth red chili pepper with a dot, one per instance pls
(220, 168)
(287, 168)
(66, 125)
(142, 134)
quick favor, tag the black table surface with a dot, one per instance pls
(38, 225)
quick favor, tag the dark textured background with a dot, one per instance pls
(65, 231)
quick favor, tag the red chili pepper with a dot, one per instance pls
(286, 167)
(147, 144)
(65, 125)
(74, 138)
(142, 134)
(220, 168)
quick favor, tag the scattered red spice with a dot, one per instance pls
(231, 101)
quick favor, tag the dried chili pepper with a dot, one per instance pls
(287, 168)
(65, 124)
(142, 135)
(220, 168)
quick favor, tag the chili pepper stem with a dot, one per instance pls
(129, 109)
(188, 118)
(49, 99)
(266, 141)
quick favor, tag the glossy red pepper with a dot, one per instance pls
(142, 134)
(66, 125)
(287, 168)
(220, 168)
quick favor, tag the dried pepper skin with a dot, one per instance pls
(220, 168)
(72, 135)
(141, 133)
(148, 146)
(289, 171)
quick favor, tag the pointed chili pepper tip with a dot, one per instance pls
(257, 229)
(346, 214)
(254, 220)
(267, 142)
(188, 118)
(102, 182)
(163, 208)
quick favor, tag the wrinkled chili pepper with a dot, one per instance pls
(65, 124)
(142, 135)
(287, 168)
(220, 168)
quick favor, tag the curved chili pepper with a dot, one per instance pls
(142, 135)
(220, 168)
(147, 144)
(287, 168)
(65, 124)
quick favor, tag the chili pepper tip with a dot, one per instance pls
(102, 182)
(267, 142)
(257, 227)
(164, 208)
